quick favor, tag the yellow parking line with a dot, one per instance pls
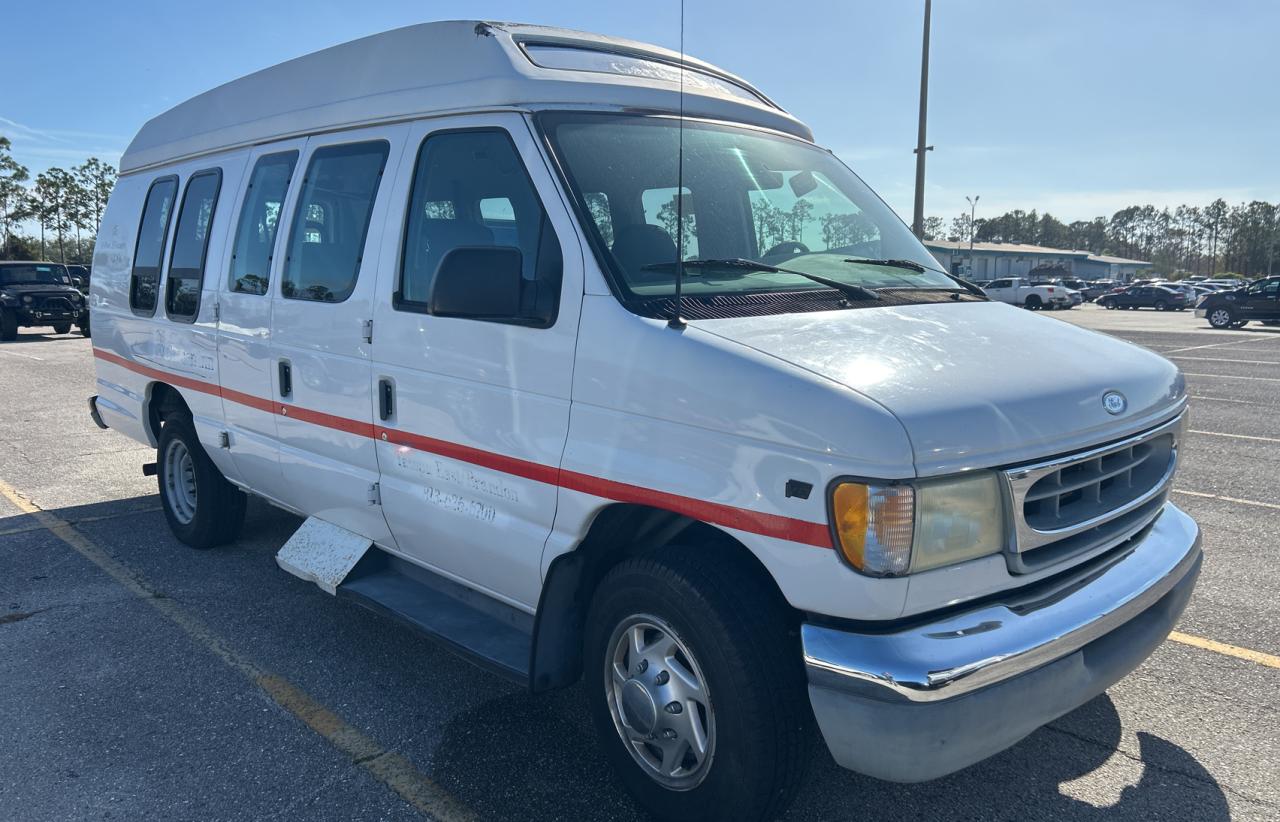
(29, 528)
(1228, 499)
(1233, 436)
(387, 767)
(1270, 660)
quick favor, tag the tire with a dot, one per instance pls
(62, 328)
(84, 327)
(1110, 305)
(728, 632)
(1161, 305)
(1221, 317)
(202, 508)
(1033, 303)
(8, 326)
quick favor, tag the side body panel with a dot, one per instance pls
(325, 424)
(157, 348)
(246, 367)
(470, 454)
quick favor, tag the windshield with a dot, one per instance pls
(33, 274)
(746, 195)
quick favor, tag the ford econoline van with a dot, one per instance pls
(584, 359)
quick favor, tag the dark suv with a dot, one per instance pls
(1259, 300)
(39, 294)
(1145, 296)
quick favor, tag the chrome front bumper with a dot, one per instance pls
(927, 700)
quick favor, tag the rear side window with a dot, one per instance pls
(153, 231)
(331, 221)
(470, 188)
(259, 222)
(191, 245)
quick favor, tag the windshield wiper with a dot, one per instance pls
(856, 292)
(912, 265)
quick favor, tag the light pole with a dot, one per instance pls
(917, 221)
(973, 228)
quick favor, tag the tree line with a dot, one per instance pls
(1243, 239)
(65, 205)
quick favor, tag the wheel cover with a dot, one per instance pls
(1220, 316)
(180, 482)
(660, 703)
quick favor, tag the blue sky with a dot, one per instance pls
(1077, 107)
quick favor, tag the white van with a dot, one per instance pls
(421, 290)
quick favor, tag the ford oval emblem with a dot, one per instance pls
(1114, 402)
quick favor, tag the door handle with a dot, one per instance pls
(386, 399)
(286, 379)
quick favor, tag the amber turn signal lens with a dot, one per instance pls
(875, 525)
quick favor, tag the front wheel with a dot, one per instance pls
(1110, 305)
(62, 328)
(694, 674)
(1221, 318)
(1161, 305)
(202, 508)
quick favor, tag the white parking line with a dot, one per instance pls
(1229, 399)
(1221, 498)
(1233, 436)
(17, 354)
(1213, 345)
(1218, 359)
(1232, 377)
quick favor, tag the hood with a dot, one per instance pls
(974, 384)
(38, 288)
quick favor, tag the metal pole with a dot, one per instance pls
(917, 222)
(973, 228)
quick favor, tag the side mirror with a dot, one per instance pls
(479, 282)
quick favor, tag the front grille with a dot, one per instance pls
(53, 304)
(1090, 500)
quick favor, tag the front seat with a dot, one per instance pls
(636, 246)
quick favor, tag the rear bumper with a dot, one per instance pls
(934, 698)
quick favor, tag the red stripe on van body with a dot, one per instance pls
(742, 519)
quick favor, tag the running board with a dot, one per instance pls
(477, 627)
(322, 553)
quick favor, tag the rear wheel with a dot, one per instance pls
(696, 685)
(1221, 317)
(8, 325)
(1161, 305)
(202, 508)
(1110, 305)
(1034, 303)
(62, 328)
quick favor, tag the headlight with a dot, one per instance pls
(895, 529)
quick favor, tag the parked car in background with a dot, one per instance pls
(1225, 282)
(37, 294)
(1096, 288)
(1145, 296)
(1077, 297)
(1260, 300)
(1187, 289)
(1017, 291)
(79, 277)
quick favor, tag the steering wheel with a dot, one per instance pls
(787, 247)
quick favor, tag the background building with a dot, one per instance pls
(992, 260)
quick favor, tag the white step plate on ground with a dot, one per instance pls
(322, 553)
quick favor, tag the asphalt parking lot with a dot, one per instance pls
(141, 679)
